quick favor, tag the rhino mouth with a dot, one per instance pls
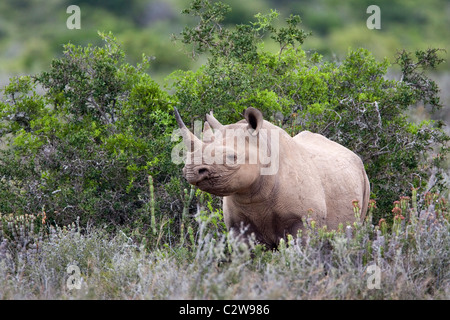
(205, 179)
(196, 175)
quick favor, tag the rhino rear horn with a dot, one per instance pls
(213, 122)
(254, 119)
(208, 135)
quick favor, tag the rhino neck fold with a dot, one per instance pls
(267, 189)
(263, 190)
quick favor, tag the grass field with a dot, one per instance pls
(407, 260)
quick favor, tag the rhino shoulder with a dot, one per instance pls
(308, 136)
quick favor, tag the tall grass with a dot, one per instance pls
(408, 259)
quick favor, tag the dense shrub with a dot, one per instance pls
(81, 139)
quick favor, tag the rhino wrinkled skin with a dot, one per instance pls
(311, 176)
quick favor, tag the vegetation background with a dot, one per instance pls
(93, 187)
(32, 34)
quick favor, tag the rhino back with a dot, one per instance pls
(325, 150)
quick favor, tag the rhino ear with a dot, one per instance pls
(254, 119)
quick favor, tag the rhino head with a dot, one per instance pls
(228, 159)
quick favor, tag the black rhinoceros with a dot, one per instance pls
(270, 181)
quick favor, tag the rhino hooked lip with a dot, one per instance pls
(207, 180)
(197, 174)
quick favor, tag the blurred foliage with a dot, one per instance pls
(32, 33)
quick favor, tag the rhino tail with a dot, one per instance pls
(366, 195)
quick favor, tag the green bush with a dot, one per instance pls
(82, 138)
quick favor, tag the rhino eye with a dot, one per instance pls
(231, 158)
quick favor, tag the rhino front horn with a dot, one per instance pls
(188, 137)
